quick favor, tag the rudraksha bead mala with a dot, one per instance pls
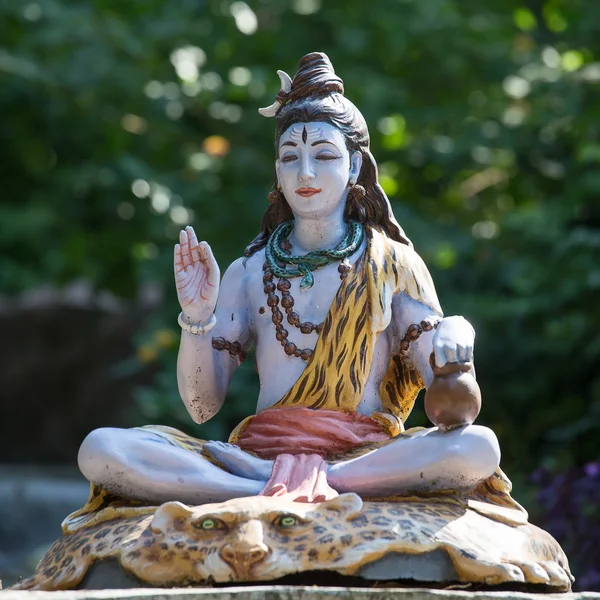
(234, 348)
(413, 333)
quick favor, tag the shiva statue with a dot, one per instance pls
(347, 329)
(326, 293)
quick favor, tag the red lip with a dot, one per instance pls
(307, 192)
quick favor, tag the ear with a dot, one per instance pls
(277, 172)
(347, 505)
(355, 165)
(166, 514)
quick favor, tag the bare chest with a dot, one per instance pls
(283, 313)
(282, 305)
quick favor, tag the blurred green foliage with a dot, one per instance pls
(122, 122)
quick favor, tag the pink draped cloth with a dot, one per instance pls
(300, 477)
(299, 439)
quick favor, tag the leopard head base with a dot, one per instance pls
(250, 539)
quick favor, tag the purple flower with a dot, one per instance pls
(568, 510)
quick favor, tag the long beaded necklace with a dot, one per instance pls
(278, 257)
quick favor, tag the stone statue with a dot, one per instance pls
(329, 219)
(347, 328)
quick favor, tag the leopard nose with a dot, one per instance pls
(241, 560)
(245, 556)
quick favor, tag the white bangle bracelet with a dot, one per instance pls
(196, 328)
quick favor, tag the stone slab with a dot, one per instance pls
(290, 593)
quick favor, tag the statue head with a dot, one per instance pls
(316, 94)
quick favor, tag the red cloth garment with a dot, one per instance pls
(299, 439)
(302, 430)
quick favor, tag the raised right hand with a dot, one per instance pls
(196, 277)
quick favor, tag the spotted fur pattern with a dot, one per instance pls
(263, 538)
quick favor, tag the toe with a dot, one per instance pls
(558, 576)
(213, 447)
(504, 574)
(534, 573)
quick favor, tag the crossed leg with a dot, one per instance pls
(141, 465)
(430, 460)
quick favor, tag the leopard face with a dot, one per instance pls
(249, 539)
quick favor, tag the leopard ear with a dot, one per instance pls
(166, 514)
(348, 505)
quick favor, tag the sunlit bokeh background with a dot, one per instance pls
(123, 122)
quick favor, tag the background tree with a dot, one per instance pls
(123, 123)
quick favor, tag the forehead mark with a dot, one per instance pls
(296, 132)
(304, 135)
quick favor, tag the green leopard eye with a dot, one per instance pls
(209, 524)
(287, 521)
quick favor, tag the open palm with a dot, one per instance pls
(196, 276)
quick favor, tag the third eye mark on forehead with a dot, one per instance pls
(295, 133)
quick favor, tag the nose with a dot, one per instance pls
(246, 549)
(306, 174)
(241, 557)
(251, 554)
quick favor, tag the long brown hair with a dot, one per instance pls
(317, 94)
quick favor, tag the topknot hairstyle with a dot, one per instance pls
(315, 76)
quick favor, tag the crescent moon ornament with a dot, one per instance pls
(286, 86)
(286, 81)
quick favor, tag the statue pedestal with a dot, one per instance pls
(285, 592)
(453, 540)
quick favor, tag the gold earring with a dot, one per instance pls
(356, 194)
(275, 196)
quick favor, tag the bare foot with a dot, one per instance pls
(239, 462)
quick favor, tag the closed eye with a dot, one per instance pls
(289, 158)
(327, 156)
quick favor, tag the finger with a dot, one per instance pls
(193, 242)
(185, 249)
(208, 259)
(195, 255)
(177, 257)
(191, 236)
(440, 355)
(205, 252)
(469, 354)
(451, 355)
(461, 353)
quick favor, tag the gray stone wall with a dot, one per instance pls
(33, 503)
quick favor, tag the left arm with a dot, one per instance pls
(416, 300)
(451, 342)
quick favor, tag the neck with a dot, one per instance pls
(317, 233)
